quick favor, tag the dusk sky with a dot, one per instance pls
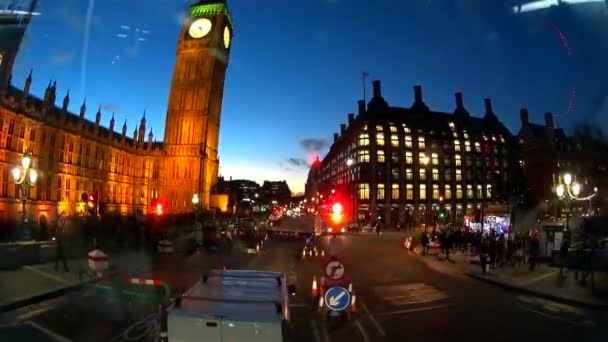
(295, 68)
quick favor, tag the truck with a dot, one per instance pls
(232, 306)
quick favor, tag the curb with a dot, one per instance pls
(27, 301)
(516, 288)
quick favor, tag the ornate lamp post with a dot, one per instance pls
(25, 177)
(569, 191)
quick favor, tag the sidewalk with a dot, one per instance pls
(543, 282)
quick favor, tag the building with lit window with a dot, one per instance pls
(405, 165)
(275, 192)
(128, 172)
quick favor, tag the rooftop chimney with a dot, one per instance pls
(377, 88)
(488, 103)
(342, 128)
(417, 94)
(523, 115)
(459, 100)
(361, 107)
(336, 136)
(351, 118)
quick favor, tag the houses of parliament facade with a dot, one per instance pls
(129, 170)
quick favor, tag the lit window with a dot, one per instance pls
(502, 139)
(488, 191)
(458, 191)
(485, 137)
(465, 134)
(479, 191)
(365, 127)
(381, 157)
(421, 144)
(477, 147)
(422, 159)
(393, 129)
(493, 137)
(409, 192)
(435, 174)
(408, 141)
(457, 160)
(447, 192)
(451, 124)
(378, 128)
(395, 191)
(380, 194)
(409, 159)
(380, 139)
(467, 146)
(422, 191)
(394, 140)
(364, 156)
(435, 159)
(422, 174)
(469, 191)
(406, 129)
(458, 175)
(409, 174)
(455, 134)
(457, 145)
(364, 191)
(364, 139)
(435, 191)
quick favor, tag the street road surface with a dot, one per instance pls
(401, 297)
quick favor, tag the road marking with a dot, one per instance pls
(315, 330)
(31, 314)
(45, 274)
(373, 319)
(587, 323)
(362, 331)
(408, 294)
(324, 332)
(405, 311)
(54, 335)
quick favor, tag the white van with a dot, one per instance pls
(232, 305)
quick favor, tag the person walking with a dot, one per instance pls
(378, 225)
(483, 255)
(425, 242)
(60, 252)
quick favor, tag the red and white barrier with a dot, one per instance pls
(98, 261)
(166, 246)
(138, 281)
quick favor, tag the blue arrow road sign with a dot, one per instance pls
(337, 298)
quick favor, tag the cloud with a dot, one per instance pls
(298, 163)
(59, 57)
(313, 144)
(109, 107)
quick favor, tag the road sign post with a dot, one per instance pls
(334, 269)
(337, 298)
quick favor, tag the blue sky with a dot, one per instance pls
(295, 66)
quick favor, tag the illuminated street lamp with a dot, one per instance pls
(198, 227)
(25, 176)
(569, 191)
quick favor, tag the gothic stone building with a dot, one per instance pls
(128, 170)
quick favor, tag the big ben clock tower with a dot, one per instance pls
(195, 104)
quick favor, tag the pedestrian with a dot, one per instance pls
(563, 251)
(483, 255)
(378, 229)
(533, 252)
(60, 252)
(425, 242)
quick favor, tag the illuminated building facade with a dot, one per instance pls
(128, 171)
(404, 165)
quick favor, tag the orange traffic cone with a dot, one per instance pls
(353, 303)
(315, 289)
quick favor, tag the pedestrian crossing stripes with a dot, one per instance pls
(409, 294)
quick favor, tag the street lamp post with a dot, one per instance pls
(353, 193)
(197, 225)
(25, 177)
(569, 191)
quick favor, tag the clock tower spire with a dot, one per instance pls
(192, 124)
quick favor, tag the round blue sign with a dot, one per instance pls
(337, 298)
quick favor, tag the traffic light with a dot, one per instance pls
(337, 213)
(158, 207)
(90, 200)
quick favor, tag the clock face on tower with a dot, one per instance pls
(200, 28)
(226, 37)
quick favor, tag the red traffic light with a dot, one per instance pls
(337, 208)
(91, 198)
